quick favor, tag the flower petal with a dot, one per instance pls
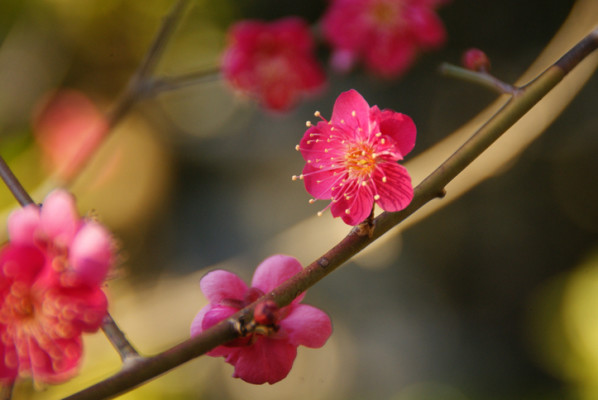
(22, 225)
(274, 270)
(59, 218)
(400, 128)
(347, 104)
(306, 325)
(91, 254)
(396, 193)
(222, 285)
(267, 360)
(359, 205)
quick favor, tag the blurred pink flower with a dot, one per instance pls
(268, 353)
(352, 159)
(50, 277)
(68, 128)
(272, 61)
(386, 34)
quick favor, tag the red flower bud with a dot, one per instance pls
(476, 60)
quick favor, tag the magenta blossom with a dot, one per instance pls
(272, 62)
(352, 159)
(267, 354)
(386, 34)
(50, 277)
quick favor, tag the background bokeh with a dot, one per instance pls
(494, 296)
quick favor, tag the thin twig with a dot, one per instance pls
(13, 184)
(479, 77)
(118, 339)
(427, 190)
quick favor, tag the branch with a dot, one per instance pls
(13, 184)
(430, 188)
(118, 339)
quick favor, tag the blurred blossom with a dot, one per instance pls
(68, 128)
(272, 61)
(50, 277)
(352, 159)
(268, 352)
(386, 34)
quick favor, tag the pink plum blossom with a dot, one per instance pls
(272, 61)
(50, 277)
(267, 354)
(68, 127)
(386, 34)
(352, 159)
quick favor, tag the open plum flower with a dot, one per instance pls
(352, 159)
(386, 34)
(272, 61)
(267, 353)
(50, 277)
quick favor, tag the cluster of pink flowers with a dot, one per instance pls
(51, 274)
(352, 159)
(275, 61)
(386, 34)
(268, 352)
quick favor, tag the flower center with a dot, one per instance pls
(385, 13)
(360, 160)
(18, 304)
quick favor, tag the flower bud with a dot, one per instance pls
(476, 60)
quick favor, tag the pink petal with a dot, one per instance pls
(426, 26)
(400, 128)
(91, 254)
(273, 271)
(267, 360)
(221, 285)
(390, 57)
(319, 182)
(215, 314)
(22, 225)
(23, 263)
(7, 374)
(346, 104)
(359, 205)
(306, 325)
(59, 218)
(396, 193)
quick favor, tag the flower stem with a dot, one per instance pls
(13, 184)
(480, 77)
(430, 188)
(118, 339)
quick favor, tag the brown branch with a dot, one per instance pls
(429, 189)
(13, 184)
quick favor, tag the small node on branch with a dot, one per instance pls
(475, 60)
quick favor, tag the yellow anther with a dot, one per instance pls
(376, 197)
(317, 114)
(319, 214)
(312, 201)
(297, 147)
(384, 179)
(353, 113)
(347, 211)
(308, 123)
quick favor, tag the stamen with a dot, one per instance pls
(382, 140)
(378, 134)
(308, 123)
(294, 177)
(376, 197)
(297, 147)
(319, 213)
(353, 113)
(312, 201)
(347, 211)
(384, 179)
(317, 114)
